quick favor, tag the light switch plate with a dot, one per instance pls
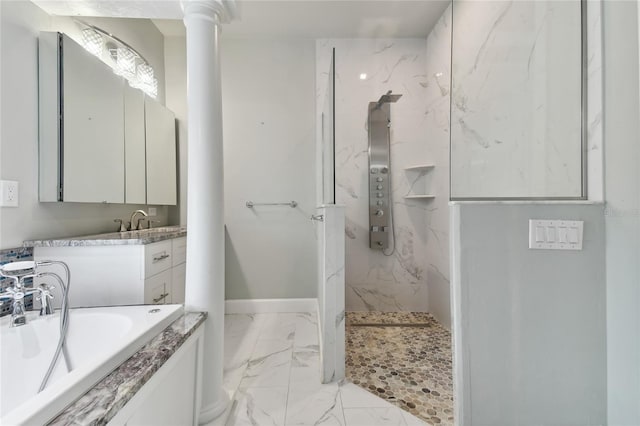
(153, 211)
(555, 234)
(10, 194)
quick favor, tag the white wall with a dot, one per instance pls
(529, 325)
(622, 194)
(438, 74)
(516, 110)
(374, 281)
(269, 143)
(21, 21)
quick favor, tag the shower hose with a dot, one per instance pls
(64, 320)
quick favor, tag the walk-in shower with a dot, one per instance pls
(380, 207)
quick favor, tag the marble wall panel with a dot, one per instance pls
(516, 99)
(375, 281)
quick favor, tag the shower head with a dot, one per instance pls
(387, 98)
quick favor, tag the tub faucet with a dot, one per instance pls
(16, 295)
(18, 272)
(136, 224)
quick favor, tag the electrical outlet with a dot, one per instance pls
(152, 211)
(10, 194)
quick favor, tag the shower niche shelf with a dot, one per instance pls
(424, 177)
(419, 167)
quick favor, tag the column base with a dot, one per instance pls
(213, 412)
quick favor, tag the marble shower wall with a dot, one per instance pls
(516, 104)
(375, 282)
(437, 95)
(331, 291)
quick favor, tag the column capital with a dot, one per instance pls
(217, 11)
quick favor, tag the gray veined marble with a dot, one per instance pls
(102, 402)
(141, 237)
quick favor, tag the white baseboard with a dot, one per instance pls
(262, 306)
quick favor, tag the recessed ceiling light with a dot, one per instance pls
(363, 76)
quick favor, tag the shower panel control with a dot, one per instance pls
(379, 176)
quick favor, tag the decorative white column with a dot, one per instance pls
(205, 194)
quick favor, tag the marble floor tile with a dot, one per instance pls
(241, 335)
(306, 332)
(259, 406)
(355, 397)
(305, 370)
(269, 365)
(280, 378)
(317, 406)
(412, 420)
(278, 326)
(391, 416)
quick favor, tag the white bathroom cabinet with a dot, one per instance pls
(100, 140)
(111, 275)
(160, 154)
(81, 120)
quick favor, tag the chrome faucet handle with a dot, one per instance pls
(140, 219)
(151, 222)
(122, 227)
(18, 314)
(44, 296)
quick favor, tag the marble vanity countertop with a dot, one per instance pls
(102, 402)
(143, 236)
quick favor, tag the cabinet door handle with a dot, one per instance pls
(162, 296)
(159, 258)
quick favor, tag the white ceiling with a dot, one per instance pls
(327, 19)
(279, 18)
(163, 9)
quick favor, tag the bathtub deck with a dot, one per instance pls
(105, 399)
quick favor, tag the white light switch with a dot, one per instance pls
(562, 234)
(555, 234)
(551, 234)
(573, 235)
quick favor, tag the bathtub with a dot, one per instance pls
(98, 340)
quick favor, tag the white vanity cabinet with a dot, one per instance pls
(110, 275)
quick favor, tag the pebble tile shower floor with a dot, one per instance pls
(404, 358)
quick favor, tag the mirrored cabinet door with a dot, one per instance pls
(161, 154)
(93, 131)
(134, 143)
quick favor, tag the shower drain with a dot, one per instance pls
(415, 324)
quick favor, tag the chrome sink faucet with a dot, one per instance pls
(136, 224)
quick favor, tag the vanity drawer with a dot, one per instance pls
(179, 250)
(157, 289)
(157, 258)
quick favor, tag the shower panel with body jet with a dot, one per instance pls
(380, 208)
